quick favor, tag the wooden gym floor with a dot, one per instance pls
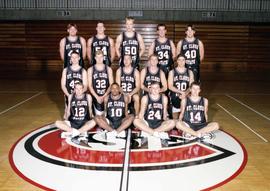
(239, 102)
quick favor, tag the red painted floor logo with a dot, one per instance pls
(44, 151)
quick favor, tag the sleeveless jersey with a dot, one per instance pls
(100, 80)
(192, 53)
(181, 82)
(71, 46)
(194, 112)
(130, 46)
(150, 78)
(154, 112)
(72, 77)
(164, 52)
(104, 45)
(116, 110)
(128, 83)
(79, 111)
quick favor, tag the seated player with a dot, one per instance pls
(193, 117)
(117, 118)
(153, 113)
(129, 80)
(179, 81)
(79, 113)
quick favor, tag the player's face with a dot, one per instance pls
(195, 90)
(155, 89)
(181, 61)
(72, 31)
(99, 58)
(190, 33)
(129, 25)
(74, 58)
(78, 89)
(100, 28)
(162, 31)
(115, 90)
(127, 60)
(153, 61)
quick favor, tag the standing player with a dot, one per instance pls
(117, 118)
(193, 116)
(79, 113)
(153, 114)
(164, 48)
(179, 81)
(72, 74)
(193, 50)
(130, 43)
(100, 77)
(72, 43)
(152, 73)
(129, 80)
(100, 42)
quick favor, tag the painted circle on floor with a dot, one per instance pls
(41, 157)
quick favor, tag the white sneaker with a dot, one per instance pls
(122, 134)
(65, 134)
(188, 136)
(163, 135)
(111, 136)
(207, 136)
(75, 132)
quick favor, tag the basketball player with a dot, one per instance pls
(72, 43)
(193, 117)
(79, 113)
(100, 77)
(179, 81)
(72, 74)
(130, 43)
(193, 50)
(129, 80)
(117, 118)
(100, 42)
(164, 48)
(152, 73)
(153, 113)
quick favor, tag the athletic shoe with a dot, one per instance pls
(122, 134)
(75, 132)
(163, 135)
(76, 140)
(188, 136)
(65, 134)
(111, 136)
(207, 136)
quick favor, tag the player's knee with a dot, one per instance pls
(215, 125)
(57, 123)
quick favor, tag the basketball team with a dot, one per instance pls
(162, 96)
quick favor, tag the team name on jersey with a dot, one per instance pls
(163, 47)
(190, 46)
(100, 75)
(74, 75)
(72, 46)
(116, 104)
(184, 78)
(155, 106)
(130, 42)
(101, 43)
(127, 79)
(195, 108)
(190, 62)
(79, 103)
(152, 79)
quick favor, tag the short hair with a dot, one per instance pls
(161, 25)
(152, 55)
(115, 83)
(78, 83)
(191, 26)
(130, 18)
(155, 83)
(99, 52)
(195, 83)
(100, 22)
(181, 55)
(75, 52)
(72, 25)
